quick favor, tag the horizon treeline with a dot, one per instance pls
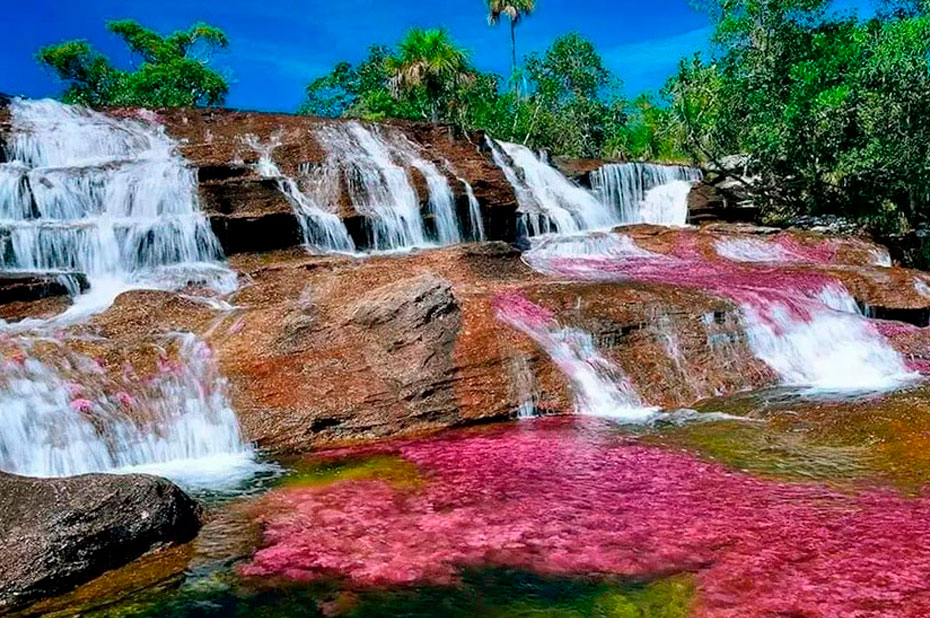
(831, 110)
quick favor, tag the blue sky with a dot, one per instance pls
(277, 46)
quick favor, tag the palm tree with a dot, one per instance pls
(515, 10)
(428, 59)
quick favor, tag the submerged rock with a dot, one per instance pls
(58, 533)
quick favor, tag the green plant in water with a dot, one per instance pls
(389, 468)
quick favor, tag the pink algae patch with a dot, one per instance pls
(562, 497)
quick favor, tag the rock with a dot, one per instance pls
(413, 326)
(720, 198)
(58, 533)
(579, 170)
(23, 287)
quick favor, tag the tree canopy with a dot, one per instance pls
(174, 70)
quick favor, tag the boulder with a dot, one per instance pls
(58, 533)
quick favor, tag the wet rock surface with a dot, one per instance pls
(58, 533)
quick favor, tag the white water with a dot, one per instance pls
(84, 192)
(549, 201)
(599, 387)
(753, 250)
(645, 192)
(834, 348)
(373, 163)
(820, 342)
(113, 199)
(323, 231)
(64, 415)
(474, 212)
(441, 200)
(525, 386)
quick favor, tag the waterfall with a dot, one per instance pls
(111, 198)
(600, 388)
(806, 327)
(474, 212)
(441, 200)
(322, 231)
(823, 343)
(374, 163)
(646, 192)
(549, 201)
(65, 414)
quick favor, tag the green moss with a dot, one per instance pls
(389, 468)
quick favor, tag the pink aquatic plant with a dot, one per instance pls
(566, 499)
(82, 405)
(514, 307)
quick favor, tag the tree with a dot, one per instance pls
(832, 111)
(573, 98)
(429, 66)
(174, 70)
(515, 10)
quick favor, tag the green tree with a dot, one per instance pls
(515, 10)
(574, 99)
(427, 69)
(174, 71)
(833, 111)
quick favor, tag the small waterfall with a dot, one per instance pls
(474, 212)
(111, 198)
(441, 200)
(822, 342)
(378, 188)
(525, 387)
(65, 414)
(600, 388)
(322, 231)
(805, 327)
(646, 192)
(374, 164)
(549, 201)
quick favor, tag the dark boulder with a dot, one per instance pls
(58, 533)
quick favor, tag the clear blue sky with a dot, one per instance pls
(277, 46)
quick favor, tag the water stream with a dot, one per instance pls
(88, 193)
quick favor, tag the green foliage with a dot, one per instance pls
(833, 111)
(573, 100)
(427, 70)
(174, 70)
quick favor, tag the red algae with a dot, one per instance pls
(564, 498)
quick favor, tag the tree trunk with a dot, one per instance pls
(513, 57)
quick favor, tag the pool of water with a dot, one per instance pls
(774, 516)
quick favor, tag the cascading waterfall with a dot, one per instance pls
(474, 212)
(66, 415)
(805, 327)
(110, 198)
(372, 162)
(549, 201)
(322, 231)
(600, 387)
(646, 192)
(441, 200)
